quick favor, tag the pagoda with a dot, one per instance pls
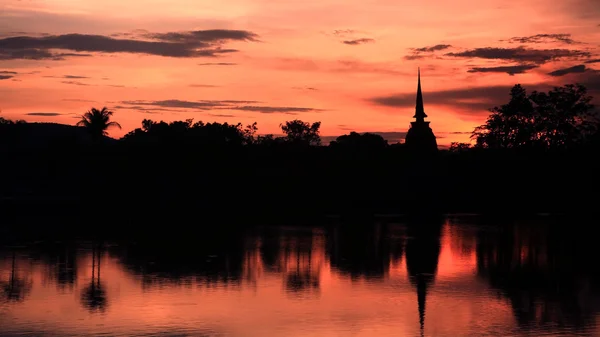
(420, 137)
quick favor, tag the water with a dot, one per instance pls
(465, 277)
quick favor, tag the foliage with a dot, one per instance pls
(357, 141)
(561, 118)
(197, 133)
(302, 133)
(97, 122)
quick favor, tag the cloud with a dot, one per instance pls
(5, 77)
(201, 37)
(203, 43)
(344, 32)
(208, 105)
(432, 49)
(544, 38)
(222, 115)
(477, 99)
(75, 83)
(44, 114)
(562, 72)
(217, 64)
(419, 53)
(4, 72)
(358, 41)
(593, 61)
(274, 109)
(305, 88)
(521, 54)
(67, 77)
(511, 70)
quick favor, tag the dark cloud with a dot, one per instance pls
(204, 43)
(544, 38)
(4, 72)
(571, 70)
(217, 64)
(44, 114)
(419, 53)
(207, 105)
(358, 41)
(5, 77)
(511, 70)
(521, 54)
(593, 61)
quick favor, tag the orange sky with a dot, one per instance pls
(350, 64)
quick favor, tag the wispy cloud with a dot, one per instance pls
(419, 53)
(521, 54)
(75, 83)
(571, 70)
(358, 41)
(511, 70)
(217, 64)
(544, 38)
(208, 105)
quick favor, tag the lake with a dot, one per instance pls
(388, 276)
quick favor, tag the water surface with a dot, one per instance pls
(463, 276)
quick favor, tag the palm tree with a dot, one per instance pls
(97, 122)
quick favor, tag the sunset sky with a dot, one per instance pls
(351, 64)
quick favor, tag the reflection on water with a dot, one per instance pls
(459, 276)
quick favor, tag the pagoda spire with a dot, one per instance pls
(419, 110)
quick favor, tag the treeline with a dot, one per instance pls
(537, 153)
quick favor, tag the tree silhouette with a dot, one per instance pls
(97, 122)
(299, 132)
(356, 141)
(560, 118)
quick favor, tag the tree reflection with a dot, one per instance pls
(93, 296)
(546, 273)
(364, 248)
(16, 288)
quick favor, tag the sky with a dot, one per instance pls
(350, 64)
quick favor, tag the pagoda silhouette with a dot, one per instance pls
(420, 137)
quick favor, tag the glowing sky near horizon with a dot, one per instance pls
(350, 64)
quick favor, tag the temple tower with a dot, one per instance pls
(420, 137)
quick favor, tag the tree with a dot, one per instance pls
(558, 119)
(356, 141)
(97, 122)
(299, 132)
